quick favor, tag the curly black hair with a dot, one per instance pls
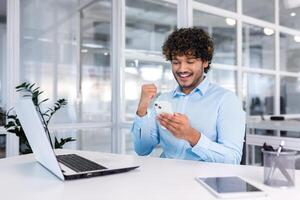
(189, 41)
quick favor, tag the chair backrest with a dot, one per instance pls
(244, 153)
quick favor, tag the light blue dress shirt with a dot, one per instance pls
(212, 110)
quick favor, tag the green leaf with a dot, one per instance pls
(31, 86)
(21, 85)
(11, 117)
(59, 145)
(43, 101)
(36, 89)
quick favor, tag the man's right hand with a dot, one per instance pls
(147, 93)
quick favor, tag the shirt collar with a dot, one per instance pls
(201, 89)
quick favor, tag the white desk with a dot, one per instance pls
(22, 178)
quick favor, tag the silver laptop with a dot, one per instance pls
(65, 167)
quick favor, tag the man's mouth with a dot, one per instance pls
(184, 76)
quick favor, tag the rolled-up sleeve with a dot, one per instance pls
(145, 133)
(230, 134)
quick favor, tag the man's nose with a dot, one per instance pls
(182, 67)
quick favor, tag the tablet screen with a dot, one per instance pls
(230, 184)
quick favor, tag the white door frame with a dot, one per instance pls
(13, 67)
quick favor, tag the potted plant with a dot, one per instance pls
(2, 117)
(13, 124)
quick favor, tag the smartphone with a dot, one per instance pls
(163, 107)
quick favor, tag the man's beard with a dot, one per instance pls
(191, 86)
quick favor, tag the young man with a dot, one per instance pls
(208, 123)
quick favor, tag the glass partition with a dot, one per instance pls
(66, 52)
(260, 9)
(3, 49)
(224, 4)
(289, 95)
(259, 90)
(223, 31)
(258, 47)
(223, 78)
(254, 155)
(289, 13)
(91, 139)
(148, 22)
(2, 55)
(289, 52)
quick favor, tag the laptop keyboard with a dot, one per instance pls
(78, 163)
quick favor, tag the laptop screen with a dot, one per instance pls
(37, 136)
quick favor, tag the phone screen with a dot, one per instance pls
(229, 184)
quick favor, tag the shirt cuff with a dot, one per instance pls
(203, 143)
(138, 121)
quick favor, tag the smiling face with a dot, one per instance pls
(188, 71)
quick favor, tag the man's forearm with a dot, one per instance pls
(142, 111)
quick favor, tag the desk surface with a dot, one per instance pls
(23, 178)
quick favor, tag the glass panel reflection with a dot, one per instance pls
(261, 9)
(289, 13)
(3, 29)
(139, 72)
(89, 139)
(223, 31)
(290, 95)
(148, 23)
(258, 47)
(129, 148)
(2, 53)
(49, 56)
(2, 145)
(265, 132)
(290, 134)
(95, 61)
(254, 155)
(289, 53)
(259, 94)
(225, 4)
(223, 78)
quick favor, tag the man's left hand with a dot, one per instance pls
(178, 124)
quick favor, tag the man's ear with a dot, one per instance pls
(205, 63)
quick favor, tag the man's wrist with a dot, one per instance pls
(194, 137)
(141, 112)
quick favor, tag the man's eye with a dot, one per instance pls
(190, 61)
(175, 62)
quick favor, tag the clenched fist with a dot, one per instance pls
(147, 93)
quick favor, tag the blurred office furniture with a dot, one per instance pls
(272, 132)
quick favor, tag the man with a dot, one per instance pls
(208, 123)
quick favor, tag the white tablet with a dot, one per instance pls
(230, 187)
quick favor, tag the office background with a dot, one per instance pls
(97, 53)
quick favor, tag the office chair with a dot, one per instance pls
(244, 153)
(243, 160)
